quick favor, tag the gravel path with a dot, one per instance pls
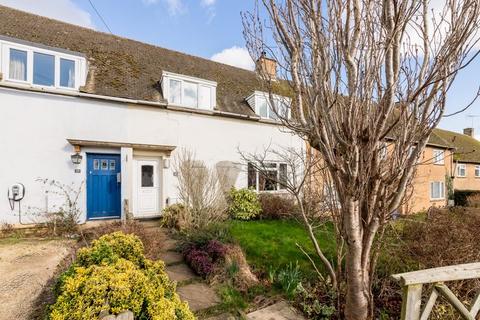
(25, 268)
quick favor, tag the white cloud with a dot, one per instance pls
(209, 6)
(235, 56)
(64, 10)
(207, 3)
(174, 7)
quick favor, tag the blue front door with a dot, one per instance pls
(103, 186)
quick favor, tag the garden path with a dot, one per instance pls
(191, 288)
(25, 268)
(200, 297)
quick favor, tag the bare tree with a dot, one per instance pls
(365, 73)
(201, 191)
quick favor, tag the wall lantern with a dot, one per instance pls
(166, 163)
(76, 157)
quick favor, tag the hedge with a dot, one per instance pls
(461, 196)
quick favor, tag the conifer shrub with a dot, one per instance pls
(113, 275)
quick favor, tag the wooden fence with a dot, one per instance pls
(412, 284)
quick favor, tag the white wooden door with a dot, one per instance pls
(147, 188)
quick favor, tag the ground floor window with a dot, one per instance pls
(437, 190)
(267, 177)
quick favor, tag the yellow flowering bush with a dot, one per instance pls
(105, 280)
(110, 247)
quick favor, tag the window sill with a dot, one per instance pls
(437, 199)
(184, 108)
(36, 87)
(273, 191)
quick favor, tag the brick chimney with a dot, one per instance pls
(266, 67)
(469, 132)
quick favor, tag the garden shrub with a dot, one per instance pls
(448, 237)
(148, 293)
(276, 206)
(461, 196)
(204, 258)
(243, 204)
(200, 262)
(473, 200)
(216, 231)
(315, 302)
(113, 275)
(111, 247)
(174, 217)
(153, 240)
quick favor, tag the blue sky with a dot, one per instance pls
(210, 29)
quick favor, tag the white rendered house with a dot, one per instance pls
(110, 114)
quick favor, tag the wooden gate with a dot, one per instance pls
(412, 284)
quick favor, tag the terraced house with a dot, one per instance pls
(84, 107)
(466, 158)
(110, 114)
(428, 187)
(449, 156)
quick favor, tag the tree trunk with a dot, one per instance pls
(357, 304)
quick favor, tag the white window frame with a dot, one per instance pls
(80, 65)
(254, 101)
(279, 188)
(167, 76)
(438, 156)
(477, 171)
(441, 185)
(464, 166)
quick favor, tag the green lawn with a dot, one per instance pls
(273, 243)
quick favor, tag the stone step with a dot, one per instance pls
(199, 296)
(278, 311)
(223, 316)
(180, 273)
(171, 257)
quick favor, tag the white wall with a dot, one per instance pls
(34, 128)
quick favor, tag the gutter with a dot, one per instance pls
(160, 104)
(68, 93)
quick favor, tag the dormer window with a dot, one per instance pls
(190, 92)
(40, 67)
(261, 104)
